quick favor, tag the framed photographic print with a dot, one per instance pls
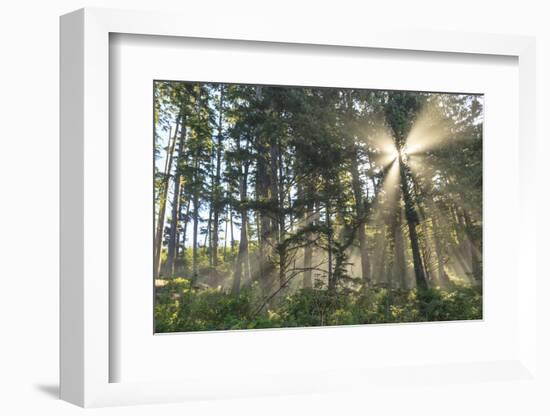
(300, 206)
(290, 214)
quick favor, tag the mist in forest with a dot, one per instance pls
(298, 206)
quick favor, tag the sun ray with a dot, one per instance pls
(431, 170)
(459, 253)
(385, 199)
(431, 129)
(380, 138)
(382, 209)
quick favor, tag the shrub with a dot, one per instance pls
(180, 307)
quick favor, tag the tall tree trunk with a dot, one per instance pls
(229, 197)
(274, 185)
(441, 275)
(474, 255)
(231, 229)
(265, 236)
(247, 267)
(208, 229)
(412, 219)
(195, 222)
(240, 262)
(280, 202)
(225, 236)
(217, 207)
(460, 230)
(175, 205)
(460, 251)
(173, 272)
(173, 269)
(308, 250)
(328, 224)
(181, 219)
(381, 238)
(424, 240)
(290, 216)
(380, 267)
(361, 219)
(398, 246)
(163, 195)
(242, 256)
(281, 193)
(211, 205)
(262, 188)
(185, 222)
(289, 199)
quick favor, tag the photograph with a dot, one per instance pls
(306, 206)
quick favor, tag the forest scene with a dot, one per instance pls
(280, 206)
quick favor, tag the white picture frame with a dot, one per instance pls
(85, 302)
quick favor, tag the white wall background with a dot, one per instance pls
(29, 57)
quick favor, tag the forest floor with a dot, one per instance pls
(181, 308)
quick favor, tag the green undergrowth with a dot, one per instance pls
(181, 308)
